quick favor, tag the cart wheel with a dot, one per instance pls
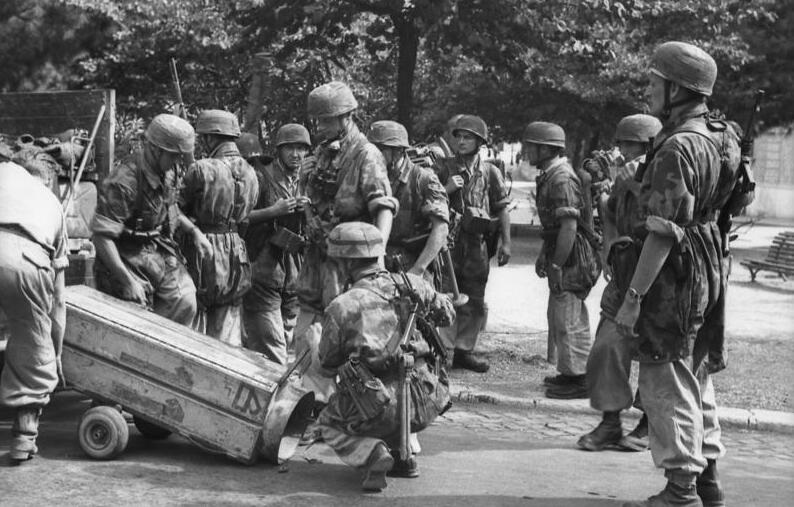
(103, 432)
(150, 430)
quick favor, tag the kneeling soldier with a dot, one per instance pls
(376, 358)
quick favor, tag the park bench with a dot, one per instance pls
(779, 259)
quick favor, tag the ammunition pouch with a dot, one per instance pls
(367, 391)
(429, 397)
(476, 220)
(287, 240)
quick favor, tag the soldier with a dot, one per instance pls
(362, 426)
(671, 309)
(477, 192)
(609, 363)
(136, 216)
(420, 229)
(33, 257)
(217, 193)
(569, 257)
(270, 308)
(346, 181)
(444, 146)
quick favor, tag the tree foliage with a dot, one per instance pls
(582, 64)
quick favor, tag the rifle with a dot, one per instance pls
(179, 109)
(744, 190)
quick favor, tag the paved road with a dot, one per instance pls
(476, 455)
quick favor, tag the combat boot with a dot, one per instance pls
(467, 360)
(679, 492)
(557, 380)
(637, 439)
(709, 488)
(407, 469)
(379, 462)
(575, 388)
(608, 433)
(24, 432)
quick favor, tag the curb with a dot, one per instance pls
(735, 418)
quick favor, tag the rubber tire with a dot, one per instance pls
(149, 429)
(103, 432)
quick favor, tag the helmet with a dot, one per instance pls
(638, 128)
(473, 124)
(355, 240)
(388, 133)
(215, 121)
(686, 65)
(249, 145)
(543, 132)
(293, 133)
(171, 133)
(331, 99)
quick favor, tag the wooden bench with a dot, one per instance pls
(779, 259)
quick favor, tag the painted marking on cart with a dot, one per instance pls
(246, 401)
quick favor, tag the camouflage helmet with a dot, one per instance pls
(249, 145)
(355, 240)
(472, 124)
(171, 133)
(293, 133)
(331, 99)
(638, 128)
(543, 132)
(215, 121)
(685, 64)
(388, 133)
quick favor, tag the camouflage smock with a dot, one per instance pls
(683, 188)
(558, 196)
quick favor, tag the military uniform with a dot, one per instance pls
(271, 306)
(360, 323)
(421, 197)
(218, 193)
(485, 189)
(684, 186)
(360, 189)
(137, 208)
(559, 196)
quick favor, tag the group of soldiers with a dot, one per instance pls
(319, 251)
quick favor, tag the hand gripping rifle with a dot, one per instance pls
(744, 190)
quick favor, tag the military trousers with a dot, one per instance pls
(224, 322)
(27, 283)
(609, 368)
(569, 330)
(684, 430)
(308, 332)
(269, 316)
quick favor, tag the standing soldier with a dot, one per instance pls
(671, 308)
(477, 192)
(270, 308)
(33, 250)
(609, 364)
(420, 228)
(136, 216)
(568, 256)
(361, 425)
(345, 182)
(218, 193)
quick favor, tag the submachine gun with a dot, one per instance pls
(744, 190)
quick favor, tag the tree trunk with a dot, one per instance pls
(408, 37)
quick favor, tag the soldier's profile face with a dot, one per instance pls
(655, 94)
(467, 142)
(328, 127)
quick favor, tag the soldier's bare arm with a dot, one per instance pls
(435, 242)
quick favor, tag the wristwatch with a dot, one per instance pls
(633, 295)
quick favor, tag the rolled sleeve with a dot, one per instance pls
(566, 212)
(498, 196)
(566, 199)
(662, 227)
(665, 195)
(114, 207)
(434, 197)
(374, 182)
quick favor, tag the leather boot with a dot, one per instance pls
(576, 387)
(24, 432)
(637, 439)
(467, 360)
(557, 380)
(379, 462)
(679, 492)
(608, 433)
(709, 488)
